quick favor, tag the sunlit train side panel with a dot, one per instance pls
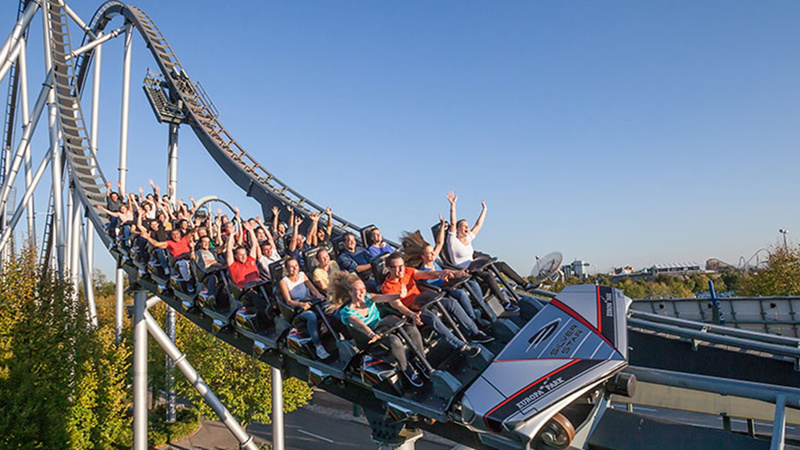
(578, 340)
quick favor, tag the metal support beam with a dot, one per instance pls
(123, 161)
(139, 371)
(23, 90)
(172, 187)
(277, 408)
(55, 166)
(779, 424)
(19, 28)
(188, 371)
(9, 228)
(88, 284)
(23, 148)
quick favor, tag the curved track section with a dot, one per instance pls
(86, 174)
(239, 165)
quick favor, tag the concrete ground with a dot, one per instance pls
(327, 423)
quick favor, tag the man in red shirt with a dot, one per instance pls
(401, 281)
(241, 262)
(179, 246)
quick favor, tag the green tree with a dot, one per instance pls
(54, 387)
(781, 276)
(241, 382)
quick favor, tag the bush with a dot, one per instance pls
(160, 432)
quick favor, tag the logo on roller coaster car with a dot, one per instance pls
(542, 334)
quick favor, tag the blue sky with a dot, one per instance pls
(615, 132)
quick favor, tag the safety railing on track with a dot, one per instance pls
(749, 341)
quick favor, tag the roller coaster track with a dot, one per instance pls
(69, 76)
(237, 163)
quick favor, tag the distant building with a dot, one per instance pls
(627, 270)
(576, 268)
(675, 268)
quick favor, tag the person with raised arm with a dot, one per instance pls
(423, 256)
(278, 231)
(179, 246)
(459, 244)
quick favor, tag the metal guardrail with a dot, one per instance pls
(720, 330)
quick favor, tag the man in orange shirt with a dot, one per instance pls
(400, 280)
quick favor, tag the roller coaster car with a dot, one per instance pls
(566, 352)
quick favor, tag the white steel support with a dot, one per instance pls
(98, 42)
(57, 231)
(19, 28)
(68, 231)
(88, 284)
(172, 186)
(93, 134)
(172, 165)
(23, 91)
(7, 231)
(139, 370)
(25, 142)
(126, 94)
(119, 299)
(277, 408)
(72, 15)
(75, 241)
(5, 66)
(188, 371)
(779, 424)
(123, 164)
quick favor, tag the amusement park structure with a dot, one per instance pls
(545, 381)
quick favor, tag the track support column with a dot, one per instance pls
(172, 187)
(245, 441)
(277, 408)
(139, 370)
(123, 162)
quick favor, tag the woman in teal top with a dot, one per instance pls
(357, 309)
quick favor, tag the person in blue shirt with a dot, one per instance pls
(378, 247)
(355, 259)
(357, 310)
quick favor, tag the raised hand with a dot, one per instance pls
(314, 217)
(452, 197)
(276, 210)
(328, 210)
(151, 182)
(483, 204)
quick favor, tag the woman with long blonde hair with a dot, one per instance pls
(358, 310)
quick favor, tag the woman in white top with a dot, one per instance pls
(297, 290)
(459, 244)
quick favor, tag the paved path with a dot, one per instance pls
(328, 423)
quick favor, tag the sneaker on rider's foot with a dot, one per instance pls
(413, 378)
(512, 307)
(481, 338)
(322, 353)
(470, 351)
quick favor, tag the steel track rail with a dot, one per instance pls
(240, 166)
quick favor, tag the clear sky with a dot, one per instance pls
(618, 132)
